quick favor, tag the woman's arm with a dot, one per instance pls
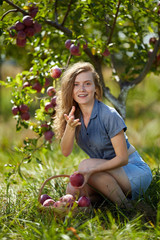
(67, 140)
(101, 165)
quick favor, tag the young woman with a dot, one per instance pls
(114, 167)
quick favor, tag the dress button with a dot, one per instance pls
(87, 133)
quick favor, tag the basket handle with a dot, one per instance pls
(47, 180)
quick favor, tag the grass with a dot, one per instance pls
(20, 216)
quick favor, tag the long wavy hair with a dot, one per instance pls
(65, 99)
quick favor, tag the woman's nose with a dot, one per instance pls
(82, 87)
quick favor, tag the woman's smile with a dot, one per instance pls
(84, 88)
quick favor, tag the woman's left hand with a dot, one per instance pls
(86, 173)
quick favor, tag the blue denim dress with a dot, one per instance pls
(105, 122)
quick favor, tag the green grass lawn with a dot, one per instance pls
(20, 215)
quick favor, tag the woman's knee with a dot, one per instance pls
(83, 165)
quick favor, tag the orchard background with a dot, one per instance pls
(122, 40)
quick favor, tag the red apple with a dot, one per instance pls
(47, 82)
(68, 43)
(85, 45)
(27, 21)
(25, 116)
(45, 127)
(51, 91)
(44, 197)
(19, 26)
(106, 53)
(76, 179)
(29, 31)
(21, 34)
(59, 204)
(15, 110)
(48, 135)
(37, 86)
(33, 10)
(53, 101)
(21, 42)
(26, 84)
(49, 107)
(12, 32)
(55, 72)
(68, 199)
(152, 40)
(49, 203)
(23, 108)
(74, 50)
(84, 202)
(37, 27)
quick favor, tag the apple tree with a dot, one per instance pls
(123, 35)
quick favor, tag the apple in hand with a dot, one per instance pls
(84, 202)
(44, 197)
(76, 179)
(55, 72)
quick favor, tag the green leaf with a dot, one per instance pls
(39, 161)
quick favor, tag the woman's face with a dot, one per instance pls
(84, 88)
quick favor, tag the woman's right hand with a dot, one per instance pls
(70, 119)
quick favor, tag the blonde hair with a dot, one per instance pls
(65, 99)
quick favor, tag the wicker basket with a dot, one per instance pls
(62, 211)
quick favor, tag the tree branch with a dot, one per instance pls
(59, 26)
(17, 7)
(56, 14)
(148, 64)
(114, 23)
(9, 11)
(68, 10)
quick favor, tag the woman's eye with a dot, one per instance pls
(75, 84)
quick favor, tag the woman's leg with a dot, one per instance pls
(113, 184)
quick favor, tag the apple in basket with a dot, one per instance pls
(44, 197)
(84, 202)
(76, 179)
(59, 204)
(49, 203)
(68, 199)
